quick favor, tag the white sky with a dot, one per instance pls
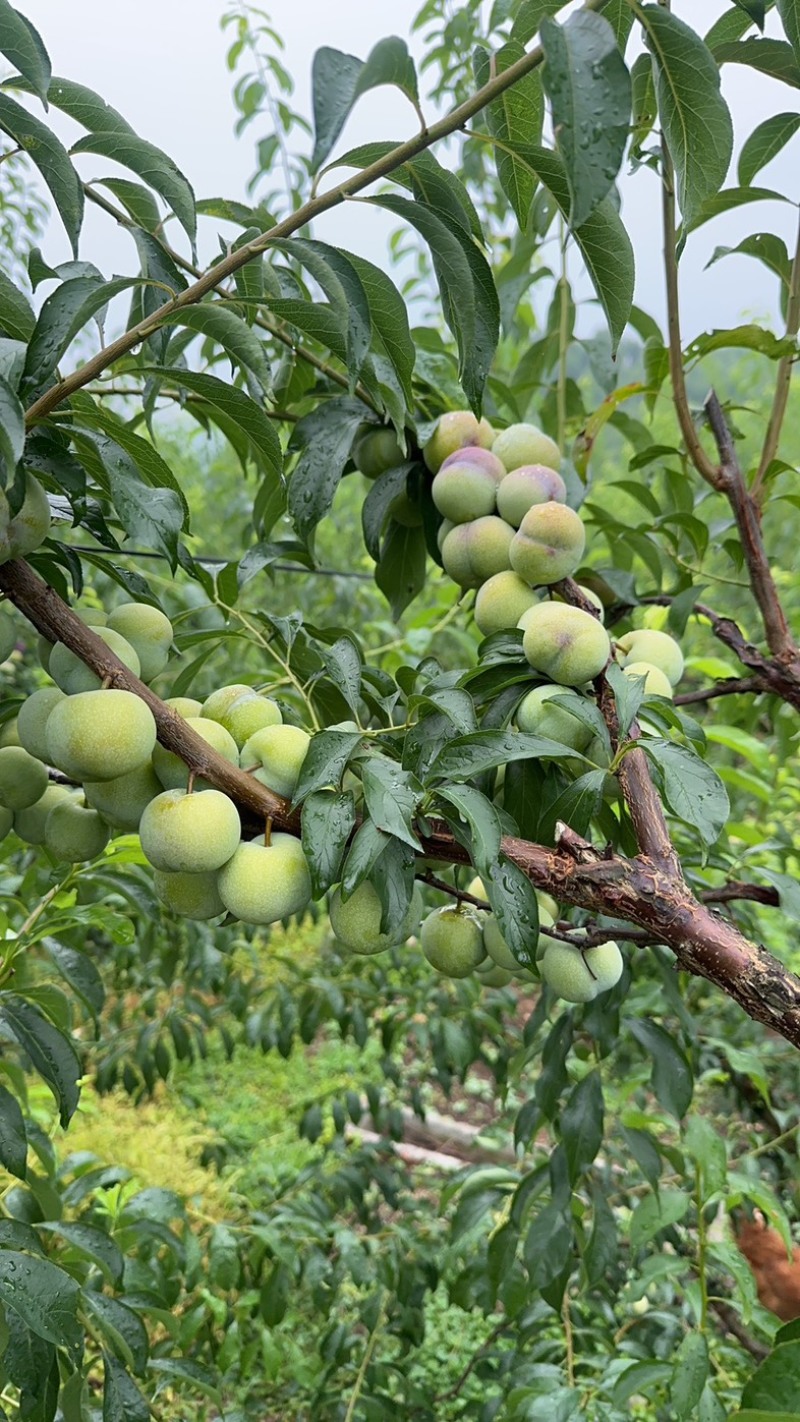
(161, 63)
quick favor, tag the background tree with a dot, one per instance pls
(254, 450)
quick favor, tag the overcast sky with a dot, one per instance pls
(162, 64)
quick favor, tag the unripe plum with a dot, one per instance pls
(149, 632)
(501, 601)
(465, 489)
(31, 524)
(99, 735)
(496, 946)
(444, 528)
(490, 975)
(375, 451)
(23, 778)
(657, 648)
(404, 511)
(263, 883)
(8, 631)
(74, 832)
(473, 552)
(458, 429)
(526, 444)
(190, 834)
(73, 675)
(579, 976)
(185, 706)
(91, 616)
(33, 717)
(6, 821)
(546, 920)
(357, 921)
(548, 545)
(9, 733)
(248, 714)
(30, 824)
(564, 643)
(275, 755)
(452, 941)
(655, 681)
(174, 772)
(538, 715)
(123, 800)
(215, 705)
(477, 888)
(189, 895)
(527, 486)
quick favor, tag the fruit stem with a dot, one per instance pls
(267, 832)
(105, 683)
(190, 783)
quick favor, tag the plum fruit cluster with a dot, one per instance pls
(122, 781)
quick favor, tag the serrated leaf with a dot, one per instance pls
(672, 1078)
(391, 798)
(754, 9)
(44, 1296)
(772, 57)
(476, 811)
(375, 509)
(95, 1243)
(469, 296)
(325, 761)
(334, 76)
(694, 116)
(150, 516)
(339, 280)
(764, 143)
(328, 821)
(789, 11)
(484, 750)
(656, 1212)
(692, 790)
(13, 1139)
(80, 972)
(389, 317)
(516, 908)
(366, 848)
(12, 433)
(529, 16)
(22, 46)
(602, 1250)
(217, 323)
(81, 104)
(64, 314)
(581, 1124)
(729, 198)
(773, 1385)
(325, 438)
(52, 160)
(589, 88)
(401, 568)
(766, 247)
(515, 117)
(50, 1051)
(389, 62)
(751, 338)
(149, 163)
(691, 1372)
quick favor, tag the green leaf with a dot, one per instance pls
(729, 198)
(672, 1078)
(765, 247)
(401, 569)
(772, 57)
(343, 665)
(95, 1244)
(375, 509)
(389, 317)
(151, 516)
(152, 467)
(80, 972)
(17, 318)
(325, 438)
(81, 104)
(51, 1052)
(12, 433)
(764, 143)
(601, 1251)
(773, 1385)
(122, 1328)
(44, 1296)
(656, 1212)
(749, 1415)
(329, 818)
(581, 1124)
(471, 755)
(691, 1372)
(529, 17)
(692, 790)
(339, 280)
(466, 285)
(52, 160)
(789, 11)
(122, 1400)
(391, 799)
(63, 315)
(389, 62)
(516, 908)
(694, 115)
(754, 9)
(516, 117)
(477, 812)
(20, 43)
(137, 201)
(217, 323)
(334, 76)
(589, 88)
(325, 761)
(150, 164)
(13, 1139)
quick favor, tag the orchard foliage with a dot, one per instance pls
(551, 815)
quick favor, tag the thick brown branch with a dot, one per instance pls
(733, 686)
(736, 889)
(748, 522)
(310, 210)
(771, 675)
(638, 891)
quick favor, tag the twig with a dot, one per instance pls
(732, 1324)
(783, 381)
(497, 1332)
(365, 1361)
(733, 686)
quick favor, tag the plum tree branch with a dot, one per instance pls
(637, 890)
(310, 210)
(771, 675)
